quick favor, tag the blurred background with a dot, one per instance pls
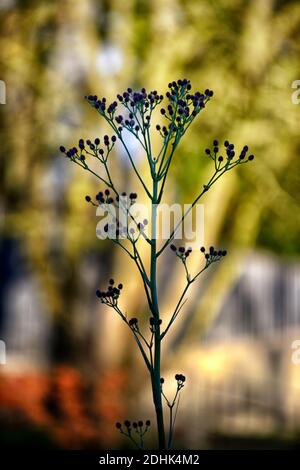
(72, 368)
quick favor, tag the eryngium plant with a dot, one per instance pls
(135, 116)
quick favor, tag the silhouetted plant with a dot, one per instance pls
(182, 108)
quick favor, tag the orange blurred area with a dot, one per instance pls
(68, 411)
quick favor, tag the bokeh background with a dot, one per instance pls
(72, 368)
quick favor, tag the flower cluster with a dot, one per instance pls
(133, 323)
(134, 429)
(154, 323)
(117, 231)
(122, 224)
(104, 197)
(183, 106)
(138, 105)
(89, 148)
(135, 424)
(111, 295)
(212, 254)
(181, 252)
(180, 379)
(230, 158)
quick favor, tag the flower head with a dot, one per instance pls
(111, 295)
(212, 255)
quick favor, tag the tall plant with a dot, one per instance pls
(136, 118)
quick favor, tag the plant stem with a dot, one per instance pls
(170, 428)
(155, 376)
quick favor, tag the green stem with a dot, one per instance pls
(170, 427)
(155, 376)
